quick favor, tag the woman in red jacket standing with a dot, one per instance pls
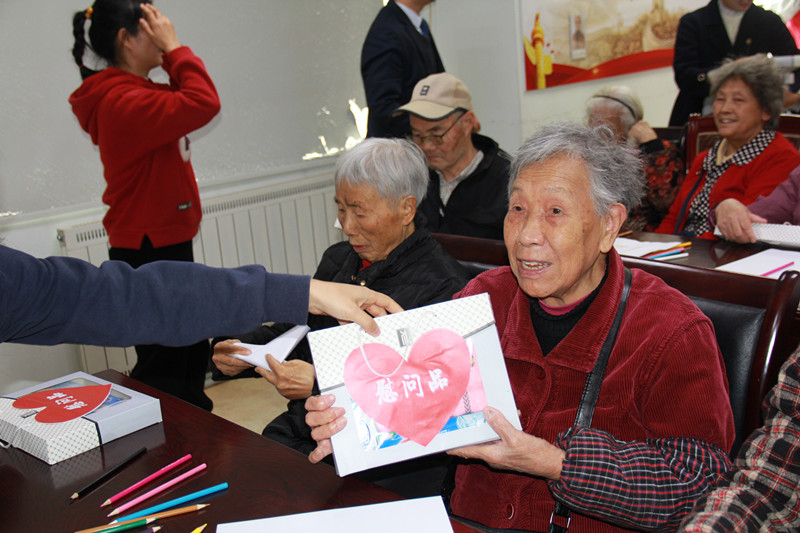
(140, 129)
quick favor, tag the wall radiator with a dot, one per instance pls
(285, 227)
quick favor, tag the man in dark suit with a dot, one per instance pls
(723, 28)
(398, 52)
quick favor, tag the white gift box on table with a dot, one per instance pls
(123, 412)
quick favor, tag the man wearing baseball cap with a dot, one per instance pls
(469, 172)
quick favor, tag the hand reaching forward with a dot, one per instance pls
(348, 303)
(735, 221)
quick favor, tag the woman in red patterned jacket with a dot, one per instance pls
(140, 129)
(749, 160)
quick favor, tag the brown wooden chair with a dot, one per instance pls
(752, 318)
(672, 134)
(701, 133)
(474, 253)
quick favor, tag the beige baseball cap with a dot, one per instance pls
(437, 96)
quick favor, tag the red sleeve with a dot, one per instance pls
(668, 224)
(154, 115)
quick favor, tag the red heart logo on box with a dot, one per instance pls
(61, 405)
(413, 398)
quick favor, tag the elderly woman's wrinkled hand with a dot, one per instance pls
(226, 363)
(294, 379)
(790, 99)
(735, 221)
(516, 450)
(324, 421)
(642, 132)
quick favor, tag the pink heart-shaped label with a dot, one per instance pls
(413, 398)
(61, 405)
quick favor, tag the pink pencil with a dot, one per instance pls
(787, 265)
(156, 490)
(146, 480)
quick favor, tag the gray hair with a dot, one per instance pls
(619, 98)
(615, 171)
(761, 74)
(396, 168)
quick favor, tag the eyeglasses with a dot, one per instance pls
(436, 140)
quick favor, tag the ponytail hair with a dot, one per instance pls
(107, 18)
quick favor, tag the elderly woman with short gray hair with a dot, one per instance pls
(617, 107)
(662, 423)
(749, 160)
(379, 184)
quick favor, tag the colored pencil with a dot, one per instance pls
(670, 257)
(664, 254)
(199, 529)
(626, 233)
(174, 512)
(146, 480)
(102, 478)
(157, 490)
(686, 244)
(147, 519)
(172, 503)
(152, 529)
(111, 528)
(770, 272)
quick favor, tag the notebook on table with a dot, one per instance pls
(785, 235)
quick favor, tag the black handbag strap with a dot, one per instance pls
(591, 390)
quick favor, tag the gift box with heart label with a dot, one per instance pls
(64, 417)
(417, 389)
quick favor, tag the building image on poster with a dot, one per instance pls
(575, 40)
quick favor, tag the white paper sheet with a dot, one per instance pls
(763, 262)
(634, 248)
(279, 347)
(422, 514)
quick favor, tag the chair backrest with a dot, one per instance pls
(672, 134)
(751, 317)
(701, 133)
(474, 253)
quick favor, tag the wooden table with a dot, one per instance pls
(705, 253)
(265, 478)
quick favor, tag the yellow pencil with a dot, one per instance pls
(199, 529)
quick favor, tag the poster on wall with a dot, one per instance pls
(579, 40)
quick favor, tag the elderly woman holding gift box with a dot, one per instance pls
(648, 451)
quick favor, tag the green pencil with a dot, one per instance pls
(113, 528)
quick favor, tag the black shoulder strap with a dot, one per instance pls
(591, 390)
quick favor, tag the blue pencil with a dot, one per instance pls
(173, 503)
